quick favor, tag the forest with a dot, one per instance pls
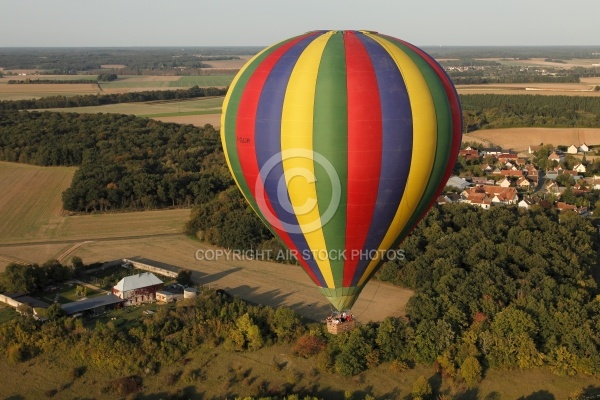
(496, 289)
(125, 162)
(133, 163)
(135, 60)
(491, 111)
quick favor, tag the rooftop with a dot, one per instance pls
(90, 304)
(137, 281)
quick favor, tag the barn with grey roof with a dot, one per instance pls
(139, 288)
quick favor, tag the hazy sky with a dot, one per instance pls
(264, 22)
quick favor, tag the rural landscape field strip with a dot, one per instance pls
(26, 213)
(83, 241)
(155, 109)
(519, 139)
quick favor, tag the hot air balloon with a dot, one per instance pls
(341, 141)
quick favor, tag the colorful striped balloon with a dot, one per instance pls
(341, 141)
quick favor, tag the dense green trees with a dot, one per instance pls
(28, 278)
(133, 60)
(142, 344)
(107, 77)
(499, 288)
(519, 284)
(508, 111)
(227, 221)
(125, 162)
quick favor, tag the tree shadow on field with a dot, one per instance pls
(471, 394)
(539, 395)
(207, 279)
(276, 298)
(591, 391)
(435, 381)
(186, 393)
(493, 396)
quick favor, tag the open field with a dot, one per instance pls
(146, 82)
(585, 88)
(198, 112)
(125, 84)
(37, 230)
(519, 139)
(31, 211)
(203, 81)
(23, 91)
(212, 373)
(228, 64)
(541, 62)
(153, 109)
(28, 214)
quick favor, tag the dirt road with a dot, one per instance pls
(259, 282)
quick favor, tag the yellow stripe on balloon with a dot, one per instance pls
(297, 149)
(424, 144)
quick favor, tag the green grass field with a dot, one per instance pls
(152, 109)
(66, 294)
(138, 82)
(203, 81)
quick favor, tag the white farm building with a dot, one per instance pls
(139, 288)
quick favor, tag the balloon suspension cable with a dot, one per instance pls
(370, 301)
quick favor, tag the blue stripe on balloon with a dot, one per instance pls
(268, 145)
(396, 146)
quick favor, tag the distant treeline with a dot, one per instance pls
(30, 81)
(125, 162)
(481, 111)
(514, 52)
(74, 60)
(474, 78)
(115, 98)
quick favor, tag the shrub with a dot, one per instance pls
(127, 385)
(307, 346)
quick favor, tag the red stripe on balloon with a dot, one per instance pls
(364, 150)
(246, 145)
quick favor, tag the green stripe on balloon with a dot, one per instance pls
(330, 117)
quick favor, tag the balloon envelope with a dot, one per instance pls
(341, 141)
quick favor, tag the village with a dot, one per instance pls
(547, 176)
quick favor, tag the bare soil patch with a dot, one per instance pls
(113, 66)
(585, 88)
(228, 64)
(28, 91)
(257, 281)
(519, 139)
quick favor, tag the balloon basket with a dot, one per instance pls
(340, 323)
